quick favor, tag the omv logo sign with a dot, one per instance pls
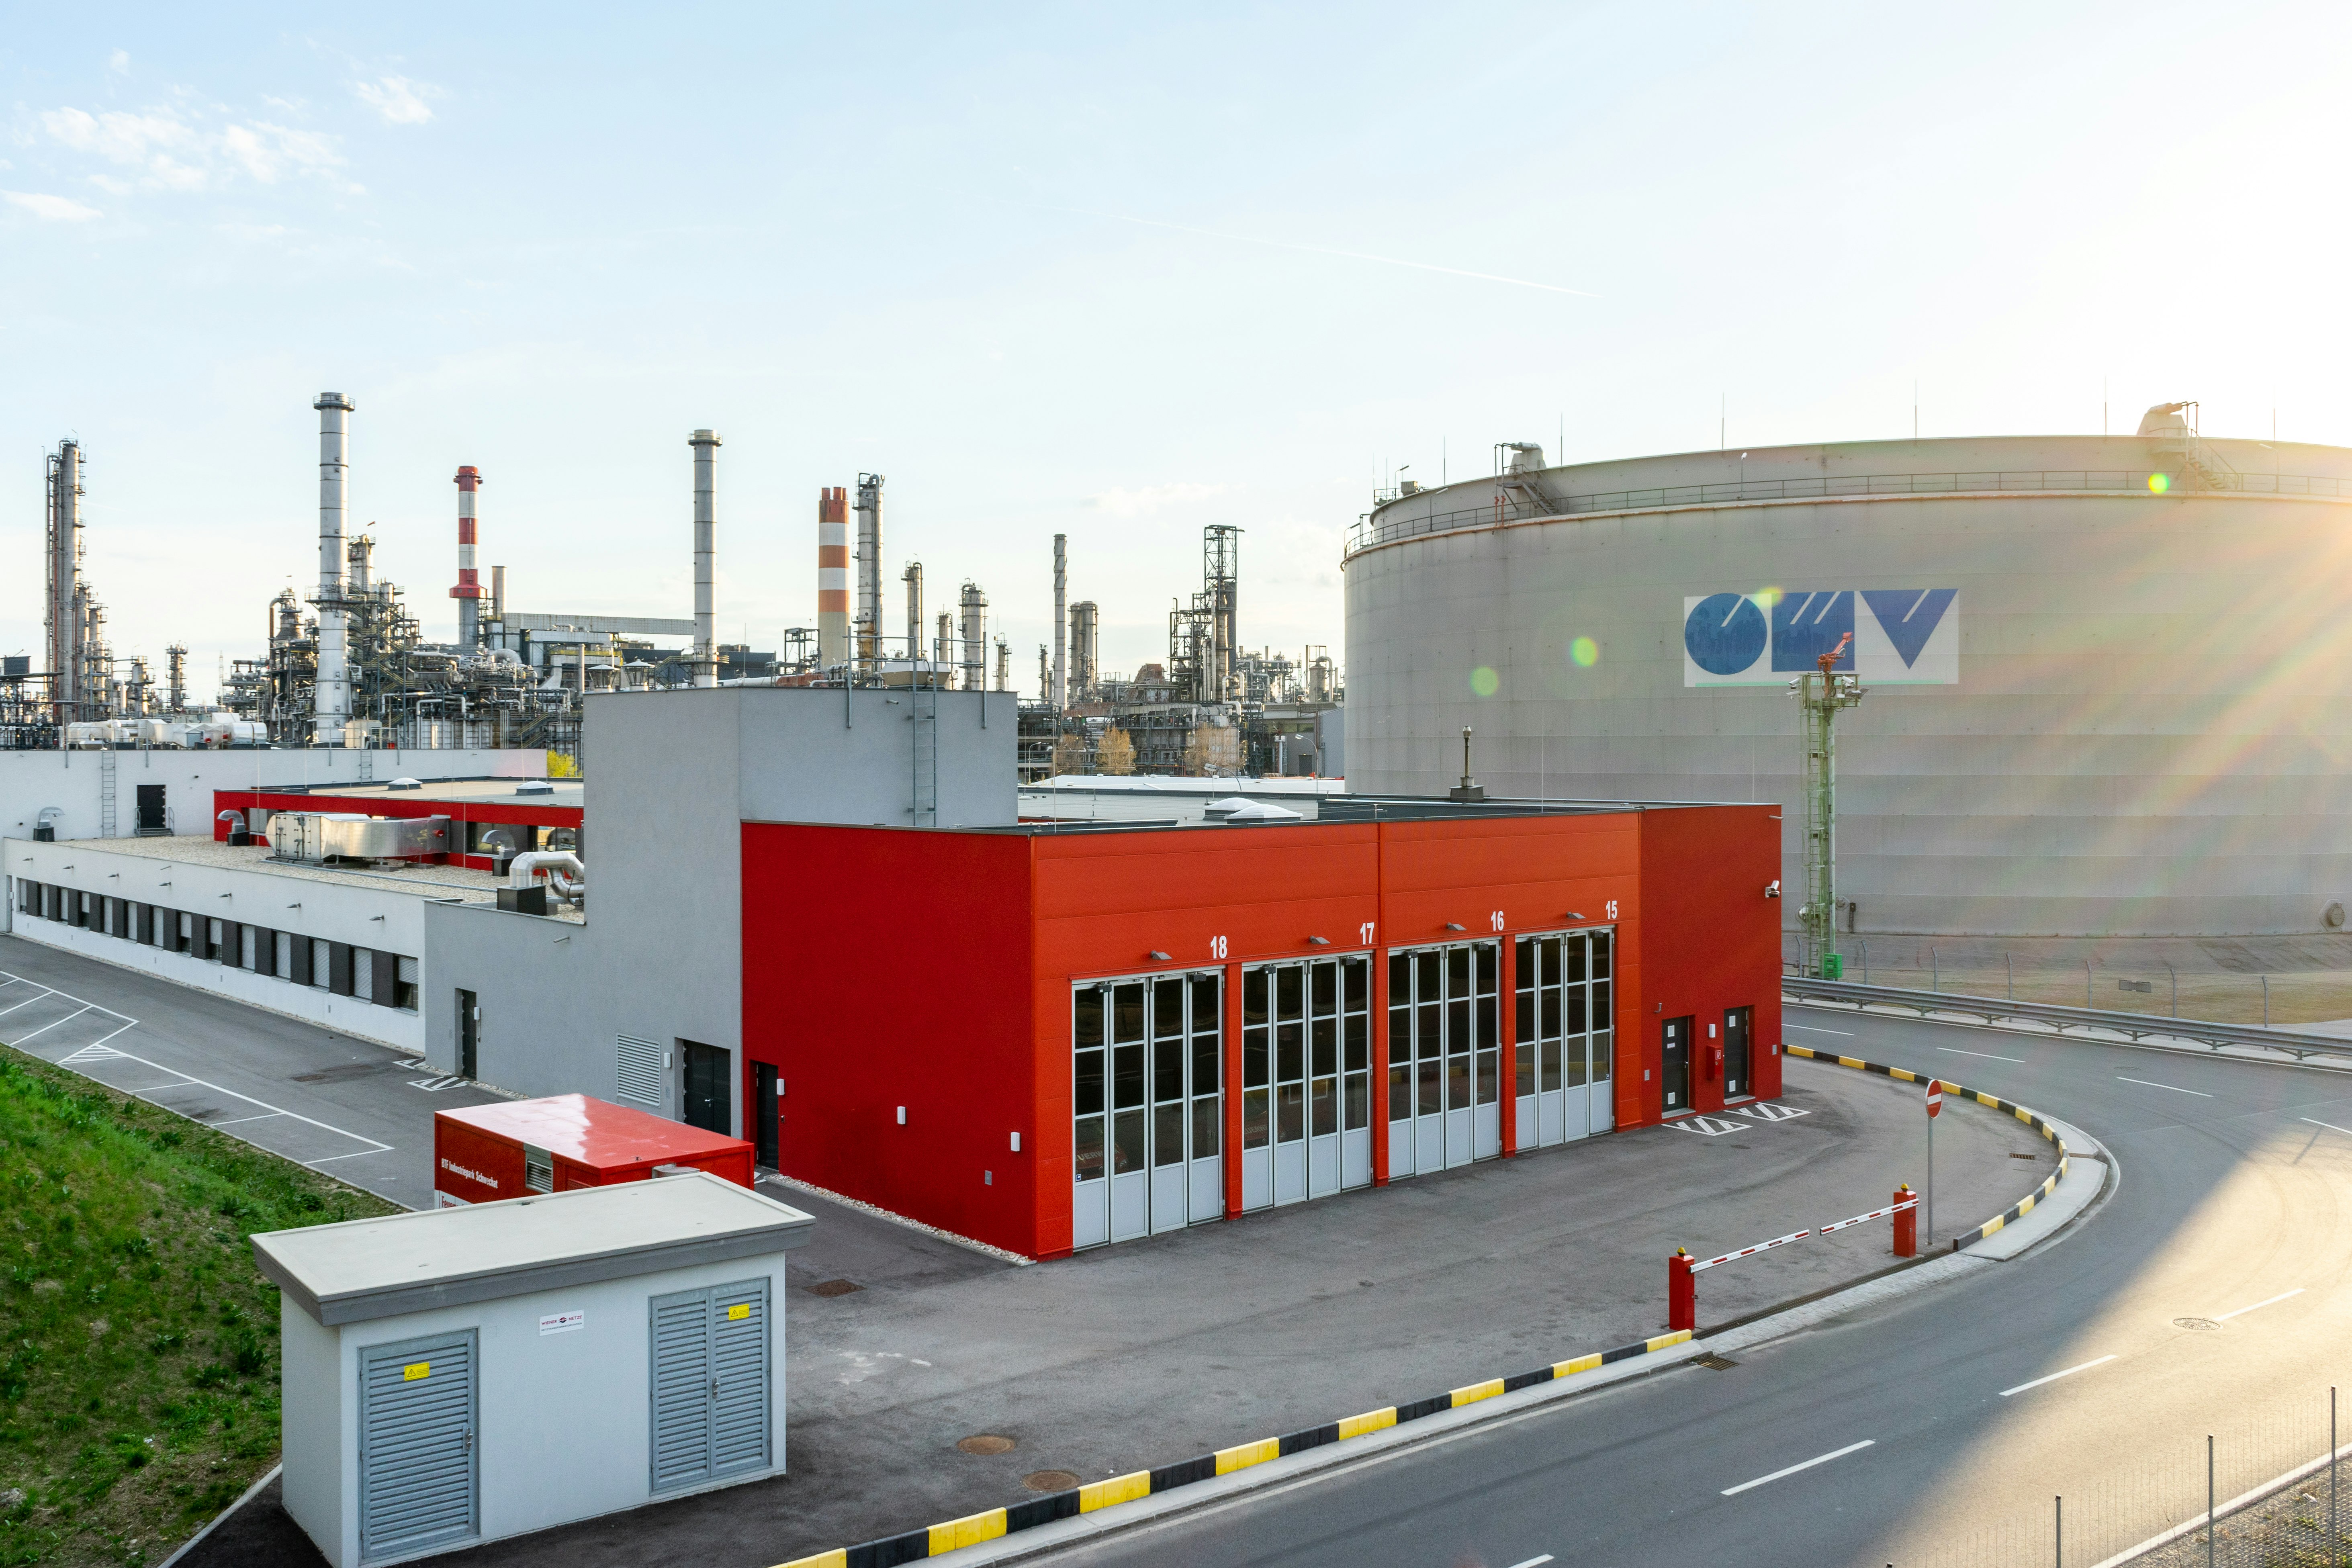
(1899, 636)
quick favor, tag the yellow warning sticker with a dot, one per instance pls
(740, 1309)
(416, 1370)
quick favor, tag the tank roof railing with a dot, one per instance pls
(1371, 531)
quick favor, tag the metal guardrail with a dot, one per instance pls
(1366, 532)
(2135, 1025)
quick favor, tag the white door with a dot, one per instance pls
(1562, 996)
(1146, 1106)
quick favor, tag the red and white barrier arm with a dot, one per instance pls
(1751, 1251)
(1875, 1213)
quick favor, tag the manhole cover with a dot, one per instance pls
(1715, 1361)
(1050, 1481)
(2195, 1324)
(834, 1287)
(986, 1443)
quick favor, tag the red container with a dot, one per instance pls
(480, 1154)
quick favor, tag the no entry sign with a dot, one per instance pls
(1935, 1097)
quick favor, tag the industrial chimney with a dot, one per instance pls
(975, 638)
(706, 529)
(832, 577)
(331, 703)
(914, 581)
(1059, 696)
(468, 591)
(869, 567)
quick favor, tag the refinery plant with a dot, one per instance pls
(347, 666)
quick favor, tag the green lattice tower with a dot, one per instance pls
(1820, 697)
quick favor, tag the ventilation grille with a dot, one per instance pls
(538, 1170)
(641, 1071)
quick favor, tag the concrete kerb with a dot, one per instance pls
(2079, 1035)
(191, 1543)
(1048, 1524)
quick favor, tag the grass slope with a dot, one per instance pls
(138, 1343)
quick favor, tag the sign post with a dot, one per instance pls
(1935, 1108)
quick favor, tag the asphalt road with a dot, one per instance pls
(356, 1109)
(1903, 1434)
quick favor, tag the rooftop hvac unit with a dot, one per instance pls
(315, 837)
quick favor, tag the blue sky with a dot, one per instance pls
(1068, 269)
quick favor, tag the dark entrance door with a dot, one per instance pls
(1738, 1024)
(151, 811)
(469, 1034)
(767, 1090)
(708, 1101)
(1674, 1060)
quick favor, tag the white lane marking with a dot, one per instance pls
(2146, 1084)
(26, 1002)
(2056, 1375)
(68, 1019)
(2259, 1305)
(1809, 1464)
(2331, 1126)
(1811, 1030)
(1987, 1054)
(1533, 1562)
(379, 1149)
(374, 1146)
(239, 1120)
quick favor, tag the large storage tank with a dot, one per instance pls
(2109, 676)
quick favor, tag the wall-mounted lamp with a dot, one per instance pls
(371, 917)
(1773, 889)
(1157, 956)
(293, 906)
(114, 873)
(1455, 925)
(1573, 915)
(233, 895)
(1319, 941)
(66, 868)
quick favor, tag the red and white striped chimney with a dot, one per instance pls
(468, 591)
(832, 576)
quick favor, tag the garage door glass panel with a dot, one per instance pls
(1146, 1103)
(1089, 1104)
(1130, 1195)
(419, 1478)
(1563, 989)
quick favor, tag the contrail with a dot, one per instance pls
(1350, 255)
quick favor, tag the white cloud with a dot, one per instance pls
(173, 153)
(400, 100)
(119, 62)
(56, 209)
(1150, 497)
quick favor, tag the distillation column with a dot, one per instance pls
(65, 620)
(330, 700)
(975, 638)
(914, 580)
(833, 578)
(468, 591)
(869, 567)
(706, 543)
(1059, 696)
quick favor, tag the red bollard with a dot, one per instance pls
(1906, 1224)
(1682, 1292)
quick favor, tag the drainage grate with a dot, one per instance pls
(2025, 1156)
(986, 1443)
(832, 1287)
(2195, 1324)
(1050, 1481)
(1714, 1362)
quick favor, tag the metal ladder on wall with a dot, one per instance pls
(106, 794)
(923, 713)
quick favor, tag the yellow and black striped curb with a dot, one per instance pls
(971, 1530)
(2024, 1205)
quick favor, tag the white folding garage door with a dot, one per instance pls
(711, 1381)
(420, 1483)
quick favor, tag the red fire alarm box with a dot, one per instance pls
(486, 1153)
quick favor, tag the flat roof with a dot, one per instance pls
(570, 793)
(420, 879)
(364, 1269)
(592, 1132)
(1330, 809)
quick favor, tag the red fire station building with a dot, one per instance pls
(1049, 1037)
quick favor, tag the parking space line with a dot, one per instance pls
(2260, 1305)
(1809, 1464)
(242, 1119)
(19, 1041)
(1534, 1561)
(379, 1149)
(375, 1146)
(2056, 1375)
(2144, 1083)
(25, 1002)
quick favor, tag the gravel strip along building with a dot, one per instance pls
(2105, 672)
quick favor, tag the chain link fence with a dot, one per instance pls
(2262, 1492)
